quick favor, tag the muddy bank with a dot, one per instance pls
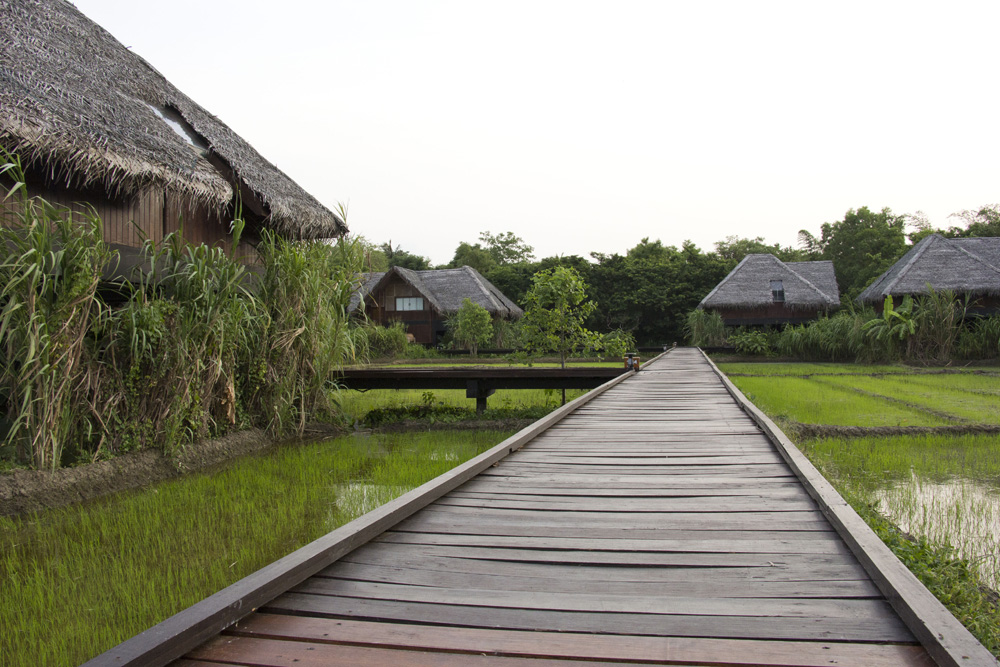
(23, 491)
(32, 490)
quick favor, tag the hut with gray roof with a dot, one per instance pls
(966, 266)
(93, 122)
(762, 290)
(423, 300)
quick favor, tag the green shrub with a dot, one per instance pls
(705, 328)
(751, 343)
(979, 339)
(384, 342)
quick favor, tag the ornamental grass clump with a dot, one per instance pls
(301, 333)
(48, 279)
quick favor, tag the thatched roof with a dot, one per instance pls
(93, 113)
(445, 289)
(807, 285)
(970, 265)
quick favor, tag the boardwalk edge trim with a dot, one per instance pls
(172, 638)
(943, 636)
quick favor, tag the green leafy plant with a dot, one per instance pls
(471, 326)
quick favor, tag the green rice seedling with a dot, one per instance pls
(930, 395)
(810, 402)
(804, 369)
(78, 580)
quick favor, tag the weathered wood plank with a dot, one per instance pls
(661, 650)
(886, 629)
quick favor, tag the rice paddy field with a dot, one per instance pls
(938, 484)
(78, 580)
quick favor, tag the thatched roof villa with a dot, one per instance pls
(423, 300)
(96, 123)
(763, 290)
(967, 266)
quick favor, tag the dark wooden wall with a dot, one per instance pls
(127, 221)
(771, 314)
(424, 325)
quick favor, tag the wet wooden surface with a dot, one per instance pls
(655, 524)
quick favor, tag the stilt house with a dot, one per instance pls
(967, 266)
(762, 290)
(423, 300)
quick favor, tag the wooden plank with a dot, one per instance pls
(818, 543)
(276, 653)
(944, 637)
(697, 581)
(886, 629)
(863, 610)
(657, 650)
(178, 634)
(696, 567)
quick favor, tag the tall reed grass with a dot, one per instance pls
(48, 280)
(200, 345)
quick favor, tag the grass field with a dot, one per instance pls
(76, 581)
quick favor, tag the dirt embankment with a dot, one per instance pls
(24, 491)
(828, 431)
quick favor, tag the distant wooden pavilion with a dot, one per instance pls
(762, 290)
(967, 266)
(423, 300)
(96, 124)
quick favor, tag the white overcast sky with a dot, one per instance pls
(586, 126)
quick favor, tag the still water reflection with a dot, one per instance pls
(964, 513)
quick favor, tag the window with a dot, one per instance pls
(777, 291)
(409, 303)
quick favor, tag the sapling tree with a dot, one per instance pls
(557, 309)
(472, 326)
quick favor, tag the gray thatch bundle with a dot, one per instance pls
(807, 285)
(965, 266)
(76, 101)
(445, 289)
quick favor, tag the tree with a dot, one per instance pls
(984, 221)
(862, 246)
(507, 248)
(474, 255)
(734, 248)
(557, 309)
(471, 325)
(403, 259)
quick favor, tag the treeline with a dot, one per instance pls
(650, 290)
(193, 347)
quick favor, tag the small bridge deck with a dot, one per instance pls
(654, 524)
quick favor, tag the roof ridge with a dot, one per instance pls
(826, 297)
(918, 250)
(974, 257)
(476, 277)
(723, 281)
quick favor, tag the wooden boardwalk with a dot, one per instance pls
(656, 524)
